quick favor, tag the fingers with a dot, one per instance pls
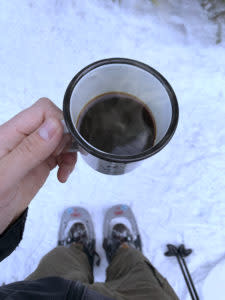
(51, 162)
(26, 122)
(65, 142)
(31, 152)
(66, 162)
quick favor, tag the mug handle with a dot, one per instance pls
(74, 146)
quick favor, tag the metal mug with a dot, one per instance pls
(127, 76)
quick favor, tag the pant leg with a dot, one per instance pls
(68, 263)
(131, 276)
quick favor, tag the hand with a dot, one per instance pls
(31, 145)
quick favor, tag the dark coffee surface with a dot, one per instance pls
(117, 123)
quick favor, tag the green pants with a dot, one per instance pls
(130, 276)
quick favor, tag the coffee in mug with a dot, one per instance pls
(117, 123)
(119, 112)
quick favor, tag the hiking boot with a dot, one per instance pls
(121, 236)
(78, 235)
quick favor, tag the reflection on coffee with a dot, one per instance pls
(117, 123)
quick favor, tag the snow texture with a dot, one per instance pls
(177, 195)
(215, 282)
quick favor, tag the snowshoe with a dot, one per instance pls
(120, 227)
(77, 227)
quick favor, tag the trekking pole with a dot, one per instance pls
(184, 253)
(180, 253)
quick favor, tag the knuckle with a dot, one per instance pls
(45, 102)
(48, 107)
(27, 146)
(28, 149)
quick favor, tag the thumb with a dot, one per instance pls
(32, 151)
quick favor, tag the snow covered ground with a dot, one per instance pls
(177, 195)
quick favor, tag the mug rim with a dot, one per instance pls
(113, 157)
